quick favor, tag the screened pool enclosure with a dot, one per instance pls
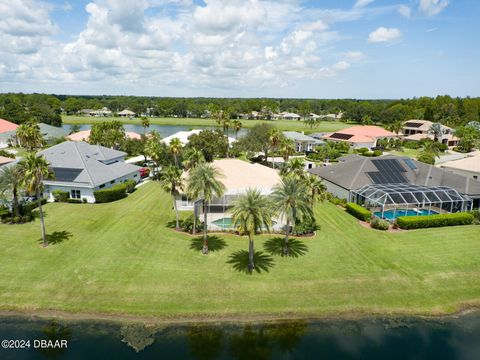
(391, 200)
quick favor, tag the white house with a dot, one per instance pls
(126, 113)
(184, 135)
(303, 143)
(80, 168)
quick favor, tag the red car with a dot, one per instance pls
(144, 172)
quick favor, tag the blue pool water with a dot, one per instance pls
(393, 214)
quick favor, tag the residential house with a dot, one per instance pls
(469, 166)
(84, 135)
(303, 143)
(7, 132)
(103, 112)
(416, 130)
(354, 172)
(238, 177)
(80, 168)
(184, 135)
(5, 160)
(360, 136)
(126, 113)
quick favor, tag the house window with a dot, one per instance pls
(135, 175)
(101, 186)
(475, 177)
(112, 182)
(75, 194)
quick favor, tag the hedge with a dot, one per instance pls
(427, 221)
(359, 212)
(130, 184)
(60, 196)
(114, 193)
(379, 224)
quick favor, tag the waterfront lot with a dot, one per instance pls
(121, 258)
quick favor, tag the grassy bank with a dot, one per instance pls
(286, 125)
(121, 258)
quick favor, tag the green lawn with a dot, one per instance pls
(121, 258)
(284, 125)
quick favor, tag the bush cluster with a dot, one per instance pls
(379, 224)
(60, 196)
(187, 224)
(130, 185)
(307, 226)
(114, 193)
(359, 212)
(419, 222)
(336, 200)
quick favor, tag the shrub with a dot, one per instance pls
(377, 153)
(6, 154)
(379, 224)
(419, 222)
(363, 150)
(359, 212)
(4, 212)
(336, 200)
(442, 147)
(412, 145)
(187, 224)
(84, 200)
(60, 196)
(26, 208)
(307, 226)
(114, 193)
(130, 185)
(427, 158)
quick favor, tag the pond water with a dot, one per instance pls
(360, 339)
(164, 130)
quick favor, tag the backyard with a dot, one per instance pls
(285, 125)
(121, 258)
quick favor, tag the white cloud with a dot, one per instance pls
(354, 55)
(362, 3)
(383, 34)
(404, 10)
(432, 7)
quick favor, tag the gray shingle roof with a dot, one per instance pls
(85, 164)
(50, 132)
(294, 135)
(352, 173)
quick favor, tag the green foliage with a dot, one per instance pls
(130, 185)
(305, 226)
(427, 221)
(379, 224)
(362, 150)
(60, 196)
(114, 193)
(412, 145)
(377, 153)
(358, 211)
(107, 133)
(211, 143)
(336, 200)
(427, 158)
(187, 224)
(74, 201)
(7, 154)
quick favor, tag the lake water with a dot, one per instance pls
(361, 339)
(164, 130)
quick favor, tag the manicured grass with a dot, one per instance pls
(121, 258)
(286, 125)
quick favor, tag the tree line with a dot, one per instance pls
(450, 111)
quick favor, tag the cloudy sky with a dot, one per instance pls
(246, 48)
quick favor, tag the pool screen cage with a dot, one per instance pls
(384, 197)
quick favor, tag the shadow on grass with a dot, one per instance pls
(262, 261)
(214, 243)
(296, 247)
(57, 237)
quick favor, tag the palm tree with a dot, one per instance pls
(237, 125)
(431, 148)
(171, 180)
(251, 212)
(275, 137)
(317, 188)
(145, 124)
(29, 136)
(291, 200)
(436, 129)
(34, 170)
(395, 127)
(10, 181)
(203, 183)
(294, 167)
(193, 158)
(175, 148)
(287, 148)
(155, 150)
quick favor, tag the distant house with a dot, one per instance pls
(126, 113)
(7, 132)
(285, 115)
(360, 136)
(184, 135)
(85, 112)
(80, 168)
(238, 177)
(416, 130)
(84, 135)
(103, 112)
(303, 143)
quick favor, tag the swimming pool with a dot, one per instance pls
(227, 223)
(392, 214)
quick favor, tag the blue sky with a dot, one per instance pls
(246, 48)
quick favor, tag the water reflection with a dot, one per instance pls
(363, 339)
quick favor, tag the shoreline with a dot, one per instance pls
(233, 319)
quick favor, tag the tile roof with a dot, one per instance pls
(6, 125)
(361, 134)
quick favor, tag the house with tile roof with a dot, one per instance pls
(360, 136)
(80, 168)
(7, 132)
(416, 130)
